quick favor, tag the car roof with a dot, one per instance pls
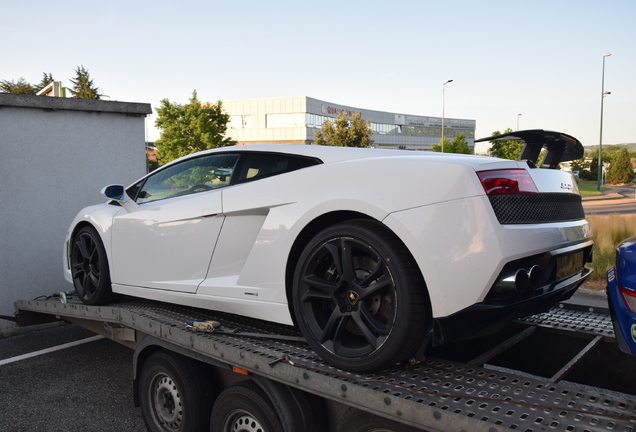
(331, 154)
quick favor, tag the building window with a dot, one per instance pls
(239, 122)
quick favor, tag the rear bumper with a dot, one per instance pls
(487, 317)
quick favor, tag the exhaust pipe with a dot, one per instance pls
(521, 280)
(534, 276)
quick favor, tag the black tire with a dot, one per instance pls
(174, 394)
(355, 420)
(297, 410)
(359, 298)
(89, 268)
(244, 407)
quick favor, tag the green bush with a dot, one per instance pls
(586, 175)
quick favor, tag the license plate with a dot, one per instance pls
(569, 264)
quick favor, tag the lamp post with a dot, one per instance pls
(518, 115)
(443, 101)
(600, 141)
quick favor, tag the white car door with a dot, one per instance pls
(245, 235)
(168, 240)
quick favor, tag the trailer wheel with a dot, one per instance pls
(359, 298)
(355, 420)
(244, 407)
(174, 394)
(89, 267)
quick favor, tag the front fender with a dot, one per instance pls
(100, 217)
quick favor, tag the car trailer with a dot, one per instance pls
(556, 371)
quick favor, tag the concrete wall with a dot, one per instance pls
(55, 156)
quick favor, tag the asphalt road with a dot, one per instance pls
(83, 388)
(615, 199)
(620, 206)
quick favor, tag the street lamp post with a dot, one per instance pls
(443, 101)
(518, 115)
(599, 166)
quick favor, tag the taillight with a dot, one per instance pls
(511, 181)
(629, 297)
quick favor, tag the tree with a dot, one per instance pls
(20, 87)
(505, 149)
(438, 147)
(190, 128)
(609, 154)
(23, 87)
(343, 132)
(621, 170)
(83, 85)
(459, 145)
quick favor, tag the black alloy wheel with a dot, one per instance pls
(89, 268)
(359, 298)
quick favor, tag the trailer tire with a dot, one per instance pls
(174, 394)
(295, 409)
(355, 420)
(244, 407)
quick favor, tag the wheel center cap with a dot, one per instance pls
(353, 297)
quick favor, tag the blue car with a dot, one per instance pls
(621, 294)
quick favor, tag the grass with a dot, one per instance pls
(590, 189)
(608, 232)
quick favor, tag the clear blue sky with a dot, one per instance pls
(540, 58)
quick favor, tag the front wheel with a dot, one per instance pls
(359, 298)
(89, 268)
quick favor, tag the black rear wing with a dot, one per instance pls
(560, 147)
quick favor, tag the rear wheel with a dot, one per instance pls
(359, 298)
(89, 268)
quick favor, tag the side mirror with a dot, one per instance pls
(118, 193)
(114, 192)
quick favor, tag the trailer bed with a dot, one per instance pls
(557, 371)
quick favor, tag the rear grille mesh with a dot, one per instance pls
(537, 208)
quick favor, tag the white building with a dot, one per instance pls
(293, 121)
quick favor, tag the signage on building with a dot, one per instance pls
(334, 111)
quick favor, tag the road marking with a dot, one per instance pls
(50, 350)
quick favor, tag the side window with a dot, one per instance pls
(256, 166)
(191, 176)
